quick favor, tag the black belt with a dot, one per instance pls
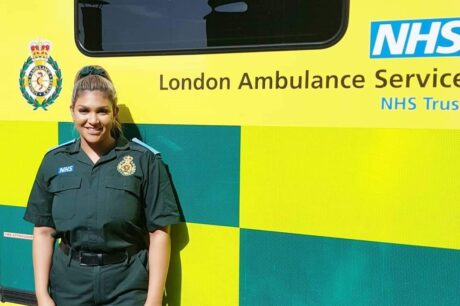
(90, 258)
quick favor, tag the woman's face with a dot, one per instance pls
(93, 116)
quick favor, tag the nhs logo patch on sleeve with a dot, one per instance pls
(66, 169)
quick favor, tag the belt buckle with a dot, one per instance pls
(90, 259)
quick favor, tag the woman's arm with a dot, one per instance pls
(42, 252)
(159, 253)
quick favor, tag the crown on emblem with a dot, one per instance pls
(40, 50)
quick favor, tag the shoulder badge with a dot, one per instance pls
(135, 140)
(61, 145)
(40, 79)
(126, 167)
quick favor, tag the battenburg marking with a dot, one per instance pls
(40, 79)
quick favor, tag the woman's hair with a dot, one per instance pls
(92, 78)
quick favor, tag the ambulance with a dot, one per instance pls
(314, 145)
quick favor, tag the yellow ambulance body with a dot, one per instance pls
(316, 173)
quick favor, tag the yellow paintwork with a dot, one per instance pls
(27, 143)
(138, 78)
(209, 265)
(388, 185)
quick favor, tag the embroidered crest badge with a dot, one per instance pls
(126, 167)
(40, 79)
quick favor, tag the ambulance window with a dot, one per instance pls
(124, 27)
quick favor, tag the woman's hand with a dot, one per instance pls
(42, 250)
(46, 300)
(147, 303)
(159, 253)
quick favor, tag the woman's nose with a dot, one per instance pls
(92, 118)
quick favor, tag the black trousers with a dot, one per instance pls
(122, 283)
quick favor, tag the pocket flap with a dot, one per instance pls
(62, 183)
(129, 184)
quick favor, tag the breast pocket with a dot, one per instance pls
(65, 190)
(123, 197)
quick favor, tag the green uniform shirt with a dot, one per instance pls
(106, 206)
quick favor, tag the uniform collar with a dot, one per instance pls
(121, 144)
(74, 147)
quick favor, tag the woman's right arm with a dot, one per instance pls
(42, 253)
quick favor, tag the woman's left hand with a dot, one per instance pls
(159, 253)
(159, 303)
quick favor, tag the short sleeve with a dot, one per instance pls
(40, 202)
(161, 207)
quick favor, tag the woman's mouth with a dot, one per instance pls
(93, 130)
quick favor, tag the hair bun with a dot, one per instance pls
(93, 70)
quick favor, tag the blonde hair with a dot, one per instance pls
(92, 78)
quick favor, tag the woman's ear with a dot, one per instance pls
(71, 112)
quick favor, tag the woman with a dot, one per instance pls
(110, 201)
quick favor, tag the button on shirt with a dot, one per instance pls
(106, 206)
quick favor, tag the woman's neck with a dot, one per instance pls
(96, 150)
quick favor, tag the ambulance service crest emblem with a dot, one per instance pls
(40, 79)
(126, 167)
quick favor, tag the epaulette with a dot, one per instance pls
(135, 140)
(61, 145)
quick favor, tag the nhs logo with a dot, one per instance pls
(66, 169)
(415, 38)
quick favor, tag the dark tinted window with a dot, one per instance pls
(147, 26)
